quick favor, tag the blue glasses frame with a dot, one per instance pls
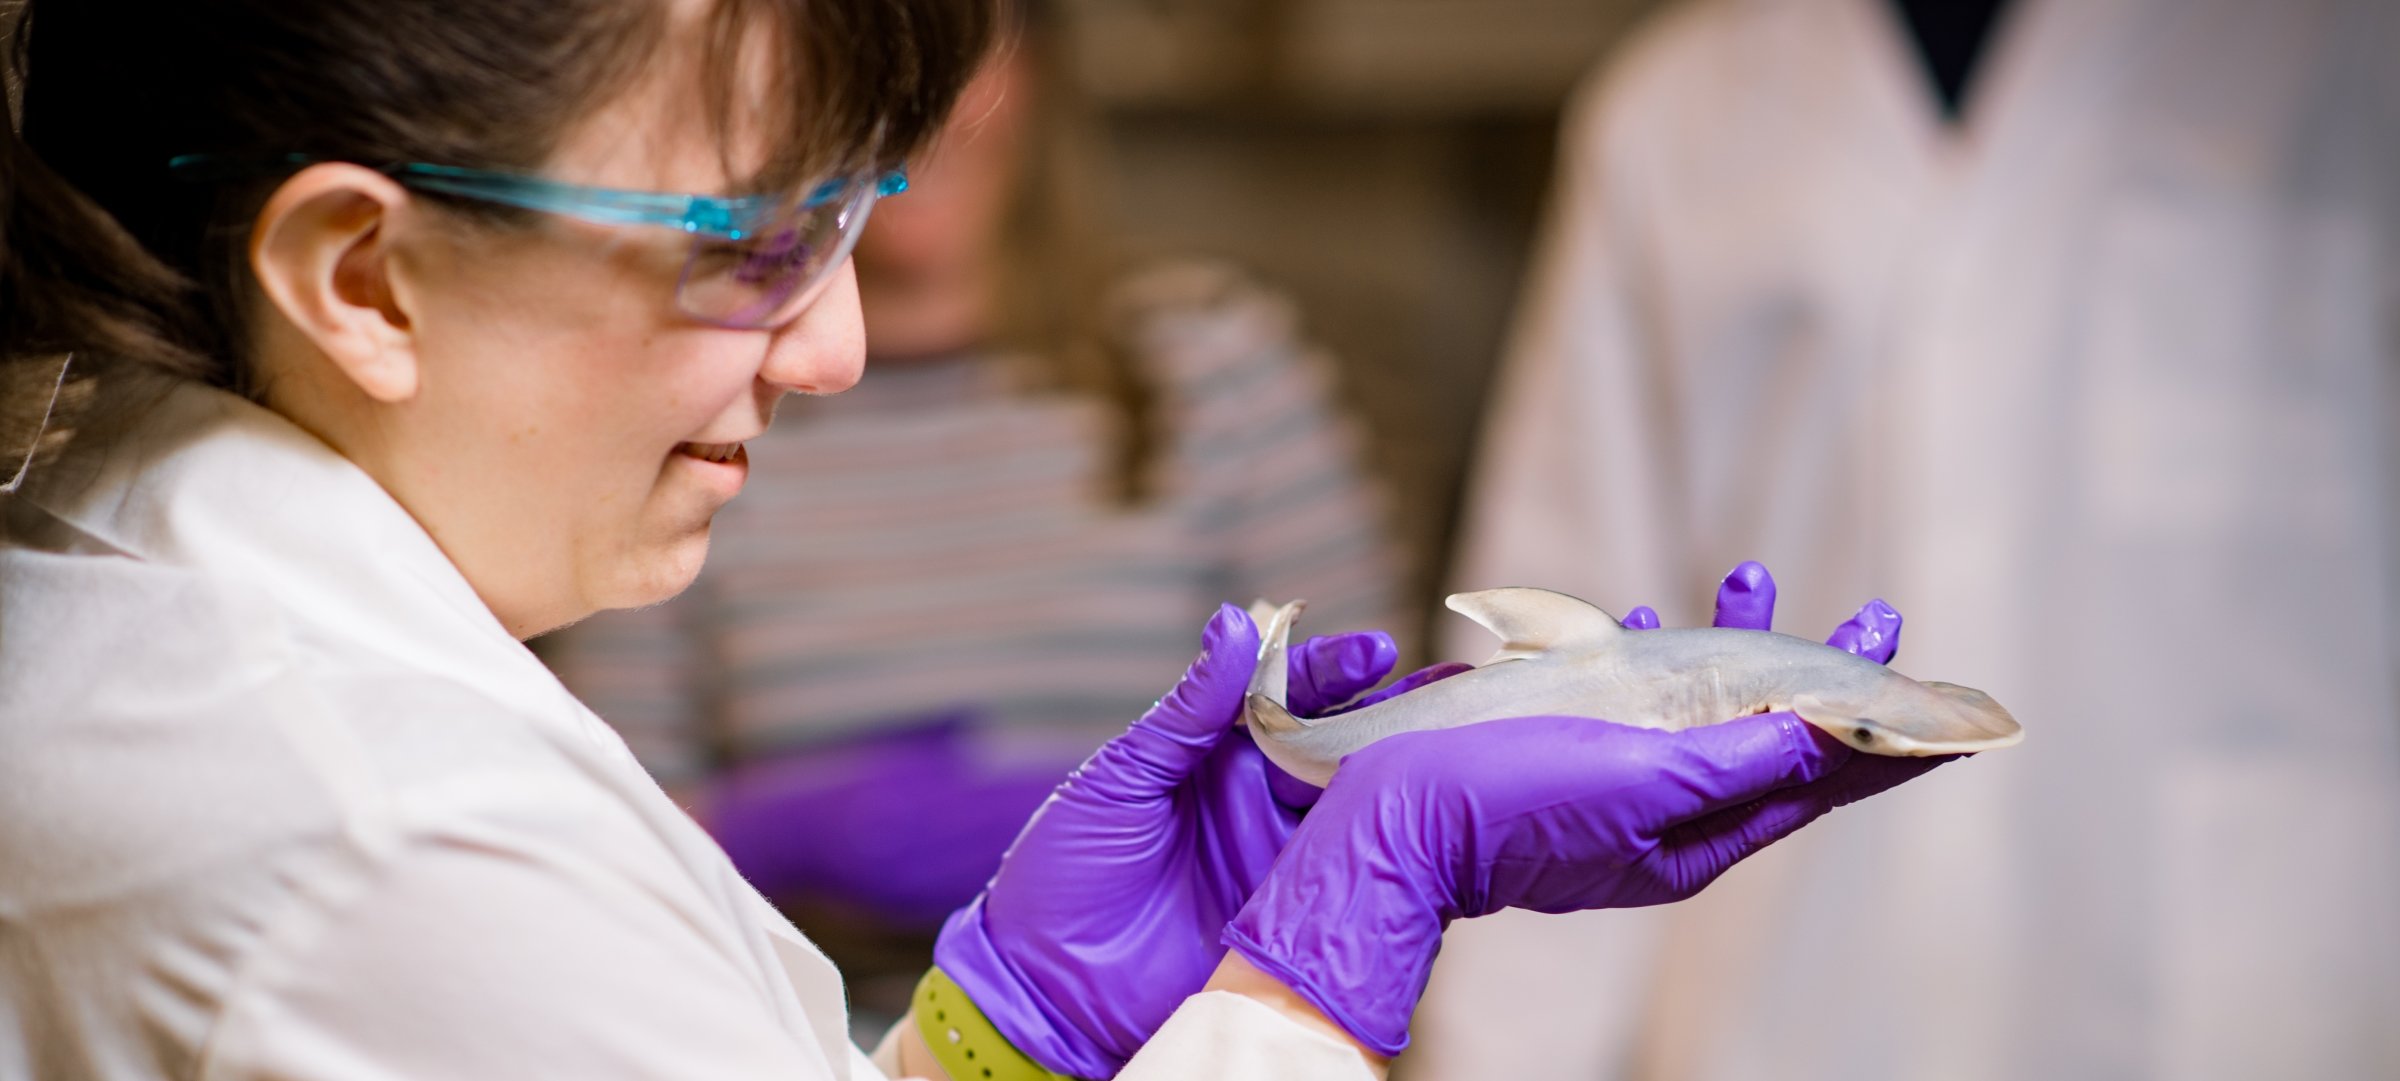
(756, 262)
(729, 218)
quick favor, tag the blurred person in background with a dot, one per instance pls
(2069, 327)
(947, 586)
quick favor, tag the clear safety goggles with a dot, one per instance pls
(756, 261)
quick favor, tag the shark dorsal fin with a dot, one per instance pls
(1535, 621)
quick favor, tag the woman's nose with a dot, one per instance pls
(824, 350)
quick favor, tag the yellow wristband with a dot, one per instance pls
(964, 1041)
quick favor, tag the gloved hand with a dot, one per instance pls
(1105, 913)
(1553, 814)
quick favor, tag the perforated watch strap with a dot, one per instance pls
(964, 1041)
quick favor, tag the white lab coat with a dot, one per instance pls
(2103, 392)
(280, 798)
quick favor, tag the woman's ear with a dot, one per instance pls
(322, 251)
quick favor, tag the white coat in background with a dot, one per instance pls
(279, 798)
(2102, 390)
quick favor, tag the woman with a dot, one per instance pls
(379, 364)
(1055, 471)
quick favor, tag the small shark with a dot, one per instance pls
(1559, 654)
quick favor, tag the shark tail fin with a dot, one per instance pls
(1531, 622)
(1272, 678)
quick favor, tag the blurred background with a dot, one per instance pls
(1382, 161)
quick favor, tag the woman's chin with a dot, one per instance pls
(656, 573)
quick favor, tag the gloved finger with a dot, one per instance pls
(1695, 853)
(1726, 765)
(1329, 670)
(1746, 598)
(1701, 849)
(1433, 673)
(1642, 618)
(1874, 633)
(1163, 748)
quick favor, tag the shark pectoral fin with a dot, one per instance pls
(1534, 621)
(1272, 678)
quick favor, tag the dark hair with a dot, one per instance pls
(105, 254)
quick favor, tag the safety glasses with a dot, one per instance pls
(756, 262)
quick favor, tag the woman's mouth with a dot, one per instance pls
(711, 452)
(720, 467)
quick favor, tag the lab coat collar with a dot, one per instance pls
(206, 480)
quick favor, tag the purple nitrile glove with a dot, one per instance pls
(1553, 814)
(1746, 599)
(1106, 913)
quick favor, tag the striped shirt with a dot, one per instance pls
(935, 543)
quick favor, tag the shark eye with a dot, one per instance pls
(1864, 737)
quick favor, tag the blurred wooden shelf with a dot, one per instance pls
(1400, 58)
(1444, 56)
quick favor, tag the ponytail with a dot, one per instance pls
(74, 285)
(74, 281)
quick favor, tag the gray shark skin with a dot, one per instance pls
(1563, 655)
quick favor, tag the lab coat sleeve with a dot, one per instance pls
(470, 962)
(1574, 484)
(1218, 1034)
(1213, 1036)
